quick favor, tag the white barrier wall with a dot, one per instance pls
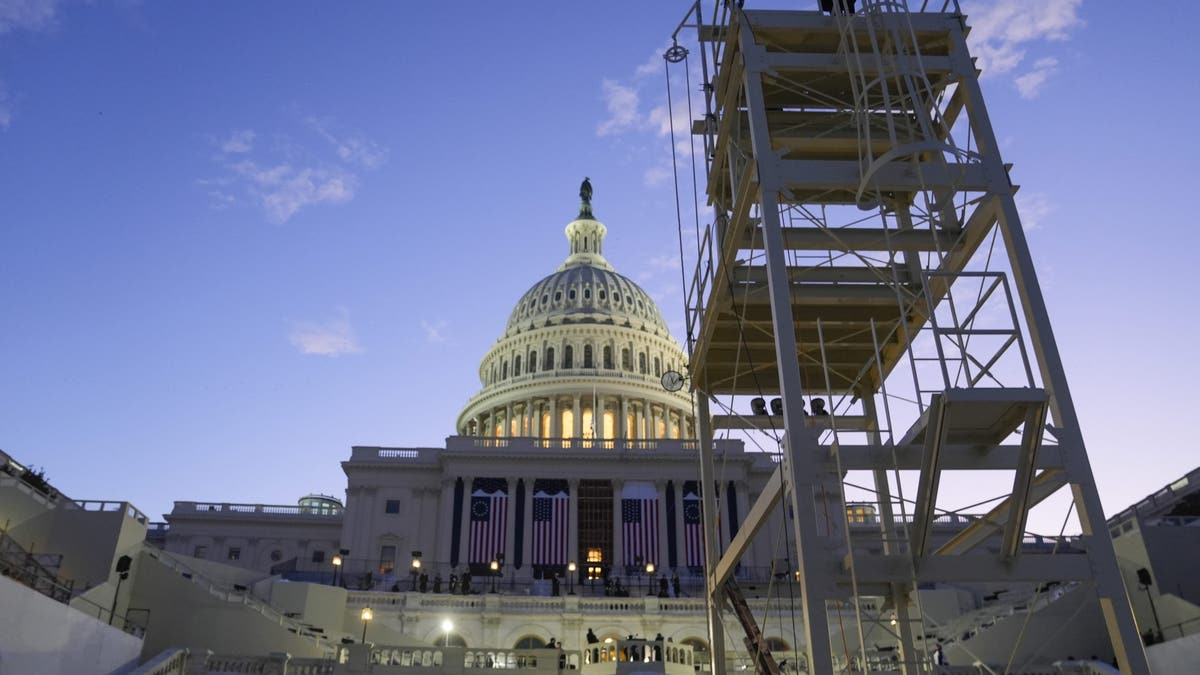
(1175, 656)
(43, 637)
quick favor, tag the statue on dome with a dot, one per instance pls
(585, 190)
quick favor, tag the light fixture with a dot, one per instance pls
(649, 568)
(366, 615)
(608, 641)
(758, 405)
(416, 563)
(447, 626)
(571, 567)
(337, 565)
(495, 567)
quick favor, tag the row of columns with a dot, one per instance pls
(617, 553)
(527, 416)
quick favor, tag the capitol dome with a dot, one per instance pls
(581, 340)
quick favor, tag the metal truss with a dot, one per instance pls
(859, 197)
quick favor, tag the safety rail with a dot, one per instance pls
(105, 506)
(233, 509)
(236, 595)
(172, 661)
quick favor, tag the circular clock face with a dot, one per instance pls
(672, 381)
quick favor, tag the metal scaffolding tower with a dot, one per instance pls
(866, 248)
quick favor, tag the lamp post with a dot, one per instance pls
(650, 575)
(1146, 581)
(495, 568)
(416, 570)
(366, 617)
(571, 578)
(337, 565)
(447, 626)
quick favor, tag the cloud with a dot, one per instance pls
(331, 338)
(286, 176)
(239, 141)
(1002, 30)
(1030, 84)
(433, 331)
(656, 175)
(622, 104)
(1034, 208)
(30, 15)
(283, 189)
(350, 148)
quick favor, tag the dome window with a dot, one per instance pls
(642, 363)
(533, 362)
(517, 366)
(558, 296)
(602, 294)
(608, 360)
(568, 357)
(545, 298)
(571, 294)
(549, 363)
(587, 356)
(626, 360)
(629, 299)
(587, 294)
(504, 371)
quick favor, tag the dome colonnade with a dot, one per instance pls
(581, 357)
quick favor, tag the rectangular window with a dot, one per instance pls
(387, 559)
(199, 551)
(318, 556)
(235, 553)
(391, 506)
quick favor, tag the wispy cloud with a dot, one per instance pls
(1030, 83)
(1035, 208)
(1002, 31)
(239, 141)
(30, 15)
(433, 330)
(351, 148)
(330, 338)
(285, 176)
(622, 104)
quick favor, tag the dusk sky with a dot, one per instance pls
(237, 238)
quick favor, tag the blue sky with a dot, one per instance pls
(238, 238)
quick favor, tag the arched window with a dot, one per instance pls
(608, 362)
(587, 294)
(549, 364)
(557, 296)
(587, 356)
(602, 294)
(697, 644)
(504, 371)
(533, 362)
(626, 360)
(571, 294)
(657, 366)
(568, 357)
(530, 642)
(642, 363)
(517, 365)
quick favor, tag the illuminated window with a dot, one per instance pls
(594, 557)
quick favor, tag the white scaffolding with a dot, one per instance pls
(866, 248)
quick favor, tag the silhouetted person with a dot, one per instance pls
(591, 637)
(423, 582)
(662, 587)
(675, 583)
(437, 583)
(466, 582)
(453, 583)
(554, 585)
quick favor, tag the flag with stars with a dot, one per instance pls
(489, 519)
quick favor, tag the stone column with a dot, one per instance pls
(623, 424)
(652, 432)
(573, 553)
(618, 562)
(660, 486)
(464, 537)
(578, 418)
(555, 420)
(639, 420)
(510, 527)
(445, 515)
(530, 430)
(508, 419)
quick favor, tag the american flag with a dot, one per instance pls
(693, 526)
(639, 524)
(551, 520)
(489, 519)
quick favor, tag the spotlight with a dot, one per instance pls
(758, 405)
(818, 407)
(776, 406)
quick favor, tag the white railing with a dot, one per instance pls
(224, 508)
(172, 661)
(232, 595)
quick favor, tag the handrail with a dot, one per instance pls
(170, 661)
